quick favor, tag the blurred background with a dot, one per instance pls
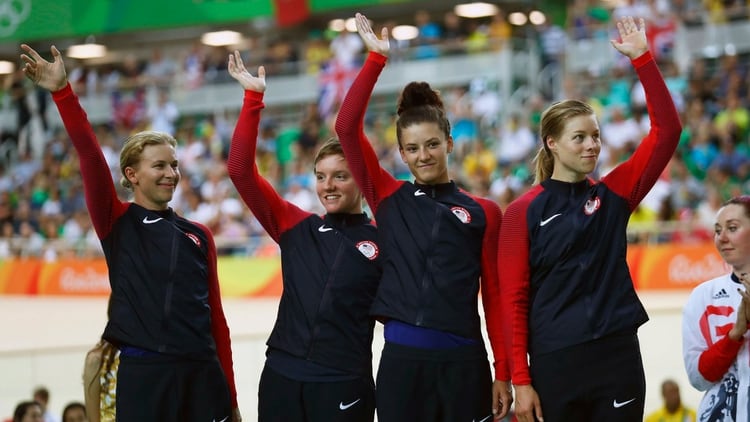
(161, 65)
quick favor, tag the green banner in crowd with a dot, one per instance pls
(29, 20)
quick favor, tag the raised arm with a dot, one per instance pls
(272, 211)
(374, 182)
(635, 177)
(101, 196)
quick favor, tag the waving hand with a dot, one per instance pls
(47, 75)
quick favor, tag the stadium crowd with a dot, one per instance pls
(42, 211)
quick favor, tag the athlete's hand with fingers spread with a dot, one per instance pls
(501, 399)
(236, 68)
(528, 406)
(633, 42)
(380, 45)
(48, 75)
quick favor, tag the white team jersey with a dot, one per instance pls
(707, 317)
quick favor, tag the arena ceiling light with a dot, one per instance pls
(537, 18)
(337, 25)
(221, 38)
(518, 18)
(89, 50)
(475, 10)
(7, 67)
(404, 32)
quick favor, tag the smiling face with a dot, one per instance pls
(732, 236)
(336, 187)
(424, 147)
(155, 177)
(576, 149)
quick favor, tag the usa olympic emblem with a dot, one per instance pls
(12, 14)
(591, 206)
(462, 214)
(194, 238)
(368, 248)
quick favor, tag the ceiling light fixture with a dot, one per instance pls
(337, 25)
(221, 38)
(404, 32)
(88, 50)
(537, 18)
(475, 10)
(7, 67)
(517, 19)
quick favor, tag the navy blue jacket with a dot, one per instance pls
(329, 264)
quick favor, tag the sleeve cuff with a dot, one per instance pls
(63, 93)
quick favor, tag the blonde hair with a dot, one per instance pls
(131, 152)
(552, 125)
(330, 147)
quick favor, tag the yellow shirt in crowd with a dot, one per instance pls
(682, 414)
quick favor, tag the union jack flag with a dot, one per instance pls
(334, 80)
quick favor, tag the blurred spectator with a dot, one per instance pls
(316, 52)
(346, 48)
(733, 118)
(478, 165)
(499, 30)
(281, 58)
(41, 395)
(453, 34)
(515, 141)
(7, 243)
(74, 412)
(691, 12)
(686, 191)
(28, 411)
(673, 410)
(163, 113)
(701, 148)
(478, 39)
(426, 45)
(160, 69)
(30, 105)
(552, 40)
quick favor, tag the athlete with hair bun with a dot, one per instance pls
(439, 245)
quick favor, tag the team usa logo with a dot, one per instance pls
(368, 248)
(592, 205)
(194, 238)
(461, 214)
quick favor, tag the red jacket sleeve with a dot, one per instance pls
(272, 211)
(492, 291)
(717, 359)
(513, 270)
(219, 327)
(99, 189)
(634, 178)
(374, 182)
